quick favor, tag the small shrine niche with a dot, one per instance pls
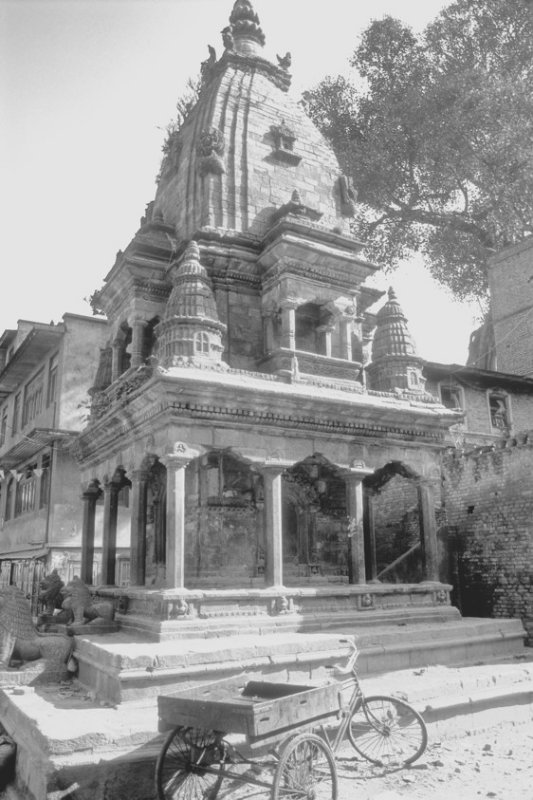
(284, 139)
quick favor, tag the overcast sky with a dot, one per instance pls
(86, 89)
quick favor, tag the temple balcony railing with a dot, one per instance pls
(119, 390)
(284, 361)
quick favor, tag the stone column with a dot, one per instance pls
(269, 331)
(138, 326)
(176, 464)
(369, 534)
(428, 525)
(89, 497)
(326, 331)
(139, 481)
(346, 337)
(288, 324)
(354, 507)
(273, 525)
(116, 359)
(109, 539)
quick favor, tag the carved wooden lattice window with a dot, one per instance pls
(45, 481)
(33, 398)
(3, 426)
(52, 380)
(16, 413)
(25, 498)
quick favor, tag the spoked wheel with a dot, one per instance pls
(388, 732)
(306, 770)
(189, 766)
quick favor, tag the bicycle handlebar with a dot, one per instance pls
(350, 664)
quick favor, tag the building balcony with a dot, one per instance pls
(284, 361)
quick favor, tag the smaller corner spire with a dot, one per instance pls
(245, 24)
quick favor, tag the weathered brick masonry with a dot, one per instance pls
(488, 505)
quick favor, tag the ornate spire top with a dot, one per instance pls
(392, 337)
(245, 23)
(190, 261)
(395, 364)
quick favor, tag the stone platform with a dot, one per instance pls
(190, 614)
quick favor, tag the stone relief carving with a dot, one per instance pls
(210, 149)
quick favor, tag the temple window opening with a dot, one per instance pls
(499, 411)
(451, 396)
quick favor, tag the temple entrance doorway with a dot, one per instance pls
(393, 525)
(224, 527)
(315, 534)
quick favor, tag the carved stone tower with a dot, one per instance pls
(395, 363)
(190, 328)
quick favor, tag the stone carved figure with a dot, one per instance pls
(50, 592)
(20, 640)
(78, 601)
(210, 149)
(284, 61)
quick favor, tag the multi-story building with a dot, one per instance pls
(45, 372)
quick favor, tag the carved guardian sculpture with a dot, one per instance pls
(20, 640)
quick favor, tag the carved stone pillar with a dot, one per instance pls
(428, 524)
(109, 539)
(369, 526)
(138, 326)
(269, 343)
(176, 464)
(116, 359)
(356, 549)
(326, 332)
(288, 324)
(89, 497)
(273, 522)
(346, 337)
(138, 527)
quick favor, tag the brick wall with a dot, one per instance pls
(488, 505)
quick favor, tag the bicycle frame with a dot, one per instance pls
(355, 702)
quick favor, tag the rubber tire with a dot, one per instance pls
(176, 758)
(372, 744)
(283, 770)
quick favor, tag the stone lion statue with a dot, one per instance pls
(20, 640)
(79, 603)
(50, 592)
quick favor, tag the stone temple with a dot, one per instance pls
(259, 436)
(231, 400)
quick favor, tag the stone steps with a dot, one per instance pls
(67, 741)
(119, 667)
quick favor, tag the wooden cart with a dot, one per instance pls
(272, 718)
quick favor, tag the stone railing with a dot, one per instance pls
(315, 364)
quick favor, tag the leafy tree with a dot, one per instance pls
(437, 132)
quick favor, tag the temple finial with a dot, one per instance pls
(245, 23)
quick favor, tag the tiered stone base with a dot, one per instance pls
(181, 614)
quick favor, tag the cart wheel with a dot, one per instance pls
(388, 732)
(189, 766)
(306, 770)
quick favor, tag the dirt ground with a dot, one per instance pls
(497, 763)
